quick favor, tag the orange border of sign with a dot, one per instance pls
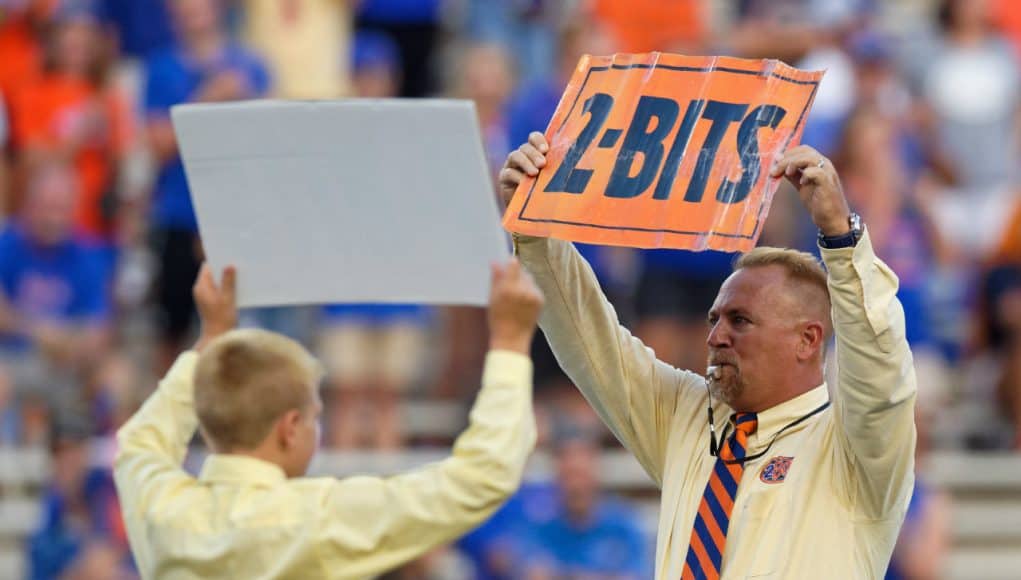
(730, 227)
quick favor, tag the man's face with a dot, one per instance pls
(753, 336)
(577, 465)
(49, 211)
(195, 16)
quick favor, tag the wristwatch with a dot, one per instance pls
(848, 240)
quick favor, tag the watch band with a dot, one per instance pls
(848, 240)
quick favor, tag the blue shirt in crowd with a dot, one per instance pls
(610, 543)
(143, 26)
(59, 539)
(532, 528)
(173, 77)
(62, 284)
(399, 11)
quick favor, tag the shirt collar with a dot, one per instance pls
(240, 470)
(775, 418)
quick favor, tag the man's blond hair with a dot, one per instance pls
(246, 380)
(800, 267)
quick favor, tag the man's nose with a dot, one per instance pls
(719, 337)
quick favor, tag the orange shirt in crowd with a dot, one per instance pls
(1006, 15)
(648, 25)
(20, 55)
(45, 115)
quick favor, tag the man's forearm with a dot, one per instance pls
(634, 393)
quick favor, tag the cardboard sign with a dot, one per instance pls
(658, 150)
(344, 201)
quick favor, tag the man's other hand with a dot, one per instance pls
(527, 160)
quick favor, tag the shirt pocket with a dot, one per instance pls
(763, 522)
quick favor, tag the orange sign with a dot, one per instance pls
(660, 150)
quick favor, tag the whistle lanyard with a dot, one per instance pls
(714, 448)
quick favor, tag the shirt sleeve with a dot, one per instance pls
(875, 392)
(151, 450)
(373, 524)
(634, 393)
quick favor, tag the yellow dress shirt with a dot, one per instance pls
(243, 519)
(851, 468)
(305, 44)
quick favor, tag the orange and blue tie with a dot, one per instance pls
(709, 534)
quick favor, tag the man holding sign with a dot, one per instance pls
(251, 513)
(784, 482)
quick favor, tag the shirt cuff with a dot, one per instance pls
(506, 367)
(847, 264)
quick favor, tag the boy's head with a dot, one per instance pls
(256, 392)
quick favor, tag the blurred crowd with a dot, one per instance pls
(99, 243)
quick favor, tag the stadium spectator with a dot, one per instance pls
(80, 509)
(878, 184)
(71, 114)
(564, 528)
(373, 353)
(970, 83)
(55, 322)
(528, 30)
(415, 27)
(21, 52)
(205, 66)
(4, 170)
(653, 25)
(590, 535)
(924, 543)
(305, 44)
(142, 27)
(496, 548)
(376, 66)
(486, 76)
(10, 414)
(991, 400)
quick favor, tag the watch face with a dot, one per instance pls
(856, 224)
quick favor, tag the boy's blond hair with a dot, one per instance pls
(246, 380)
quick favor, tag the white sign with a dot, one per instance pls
(344, 201)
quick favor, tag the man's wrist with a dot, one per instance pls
(846, 235)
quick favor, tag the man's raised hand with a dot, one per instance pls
(527, 160)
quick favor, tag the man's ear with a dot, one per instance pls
(287, 428)
(812, 340)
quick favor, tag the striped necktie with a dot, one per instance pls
(709, 534)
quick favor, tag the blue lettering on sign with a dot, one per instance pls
(722, 115)
(748, 146)
(647, 142)
(568, 178)
(652, 122)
